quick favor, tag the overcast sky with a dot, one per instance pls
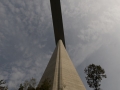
(92, 34)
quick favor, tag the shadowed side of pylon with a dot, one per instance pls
(57, 21)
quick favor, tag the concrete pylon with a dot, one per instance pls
(61, 71)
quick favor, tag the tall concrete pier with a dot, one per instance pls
(61, 71)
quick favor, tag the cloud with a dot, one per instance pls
(93, 36)
(108, 57)
(18, 71)
(26, 29)
(27, 37)
(92, 24)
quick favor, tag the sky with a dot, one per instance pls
(92, 35)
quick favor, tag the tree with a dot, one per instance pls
(31, 88)
(26, 84)
(46, 84)
(32, 82)
(2, 82)
(94, 75)
(3, 87)
(21, 87)
(29, 84)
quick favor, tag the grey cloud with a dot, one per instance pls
(91, 23)
(108, 57)
(27, 38)
(26, 29)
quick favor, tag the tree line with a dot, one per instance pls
(94, 74)
(31, 85)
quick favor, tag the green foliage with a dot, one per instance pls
(94, 76)
(2, 82)
(46, 84)
(32, 82)
(21, 87)
(29, 84)
(3, 87)
(37, 88)
(26, 84)
(31, 88)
